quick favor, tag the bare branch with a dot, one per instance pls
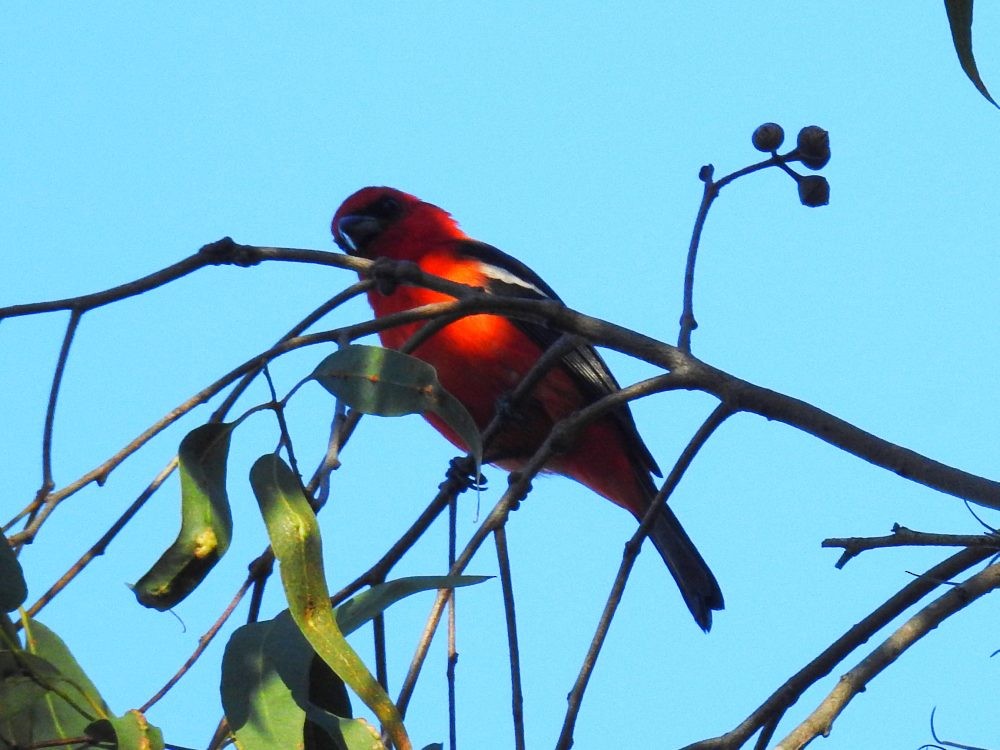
(203, 642)
(50, 411)
(507, 586)
(708, 196)
(518, 488)
(101, 545)
(632, 547)
(741, 395)
(768, 714)
(904, 537)
(97, 299)
(452, 657)
(820, 721)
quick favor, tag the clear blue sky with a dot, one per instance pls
(571, 136)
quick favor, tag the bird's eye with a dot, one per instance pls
(386, 207)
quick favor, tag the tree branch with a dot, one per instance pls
(632, 547)
(904, 537)
(767, 715)
(821, 720)
(516, 696)
(518, 488)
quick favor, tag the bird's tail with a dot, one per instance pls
(698, 586)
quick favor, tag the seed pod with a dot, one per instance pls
(814, 191)
(813, 147)
(768, 137)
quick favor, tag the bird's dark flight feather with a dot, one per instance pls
(584, 364)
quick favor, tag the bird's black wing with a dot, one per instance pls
(509, 276)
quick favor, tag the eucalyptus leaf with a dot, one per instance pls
(375, 380)
(13, 589)
(206, 520)
(294, 533)
(960, 21)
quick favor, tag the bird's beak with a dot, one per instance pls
(355, 230)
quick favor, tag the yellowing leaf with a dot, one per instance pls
(294, 533)
(206, 520)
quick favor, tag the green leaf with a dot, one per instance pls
(23, 680)
(206, 520)
(388, 383)
(268, 678)
(960, 20)
(18, 694)
(294, 533)
(267, 712)
(129, 732)
(44, 643)
(13, 589)
(258, 705)
(295, 660)
(358, 610)
(36, 702)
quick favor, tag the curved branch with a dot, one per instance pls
(767, 715)
(740, 394)
(201, 259)
(575, 698)
(519, 486)
(819, 721)
(708, 196)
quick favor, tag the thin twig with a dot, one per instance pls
(708, 196)
(819, 722)
(699, 376)
(220, 735)
(772, 709)
(452, 657)
(81, 740)
(381, 662)
(85, 302)
(203, 642)
(380, 569)
(319, 484)
(947, 743)
(101, 546)
(50, 410)
(297, 330)
(285, 439)
(575, 699)
(260, 573)
(507, 587)
(519, 485)
(456, 480)
(904, 537)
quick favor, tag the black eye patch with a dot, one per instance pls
(385, 209)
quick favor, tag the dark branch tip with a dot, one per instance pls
(226, 251)
(386, 273)
(462, 475)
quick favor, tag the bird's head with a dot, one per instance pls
(383, 221)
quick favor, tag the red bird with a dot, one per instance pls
(480, 359)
